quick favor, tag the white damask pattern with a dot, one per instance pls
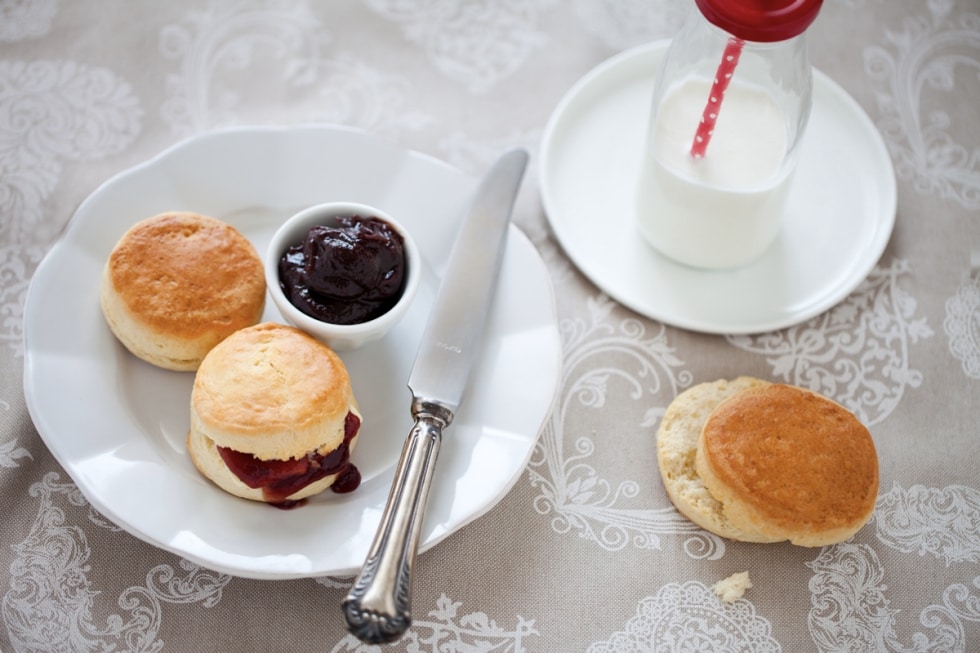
(850, 612)
(244, 36)
(49, 604)
(21, 20)
(17, 263)
(962, 324)
(689, 617)
(856, 353)
(52, 111)
(227, 36)
(928, 53)
(574, 491)
(476, 43)
(621, 24)
(353, 93)
(447, 630)
(10, 452)
(941, 522)
(50, 601)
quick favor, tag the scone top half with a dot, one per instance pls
(274, 392)
(789, 464)
(677, 443)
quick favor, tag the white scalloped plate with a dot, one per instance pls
(117, 425)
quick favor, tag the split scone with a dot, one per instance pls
(765, 462)
(176, 284)
(273, 417)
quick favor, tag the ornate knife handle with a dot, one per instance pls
(377, 609)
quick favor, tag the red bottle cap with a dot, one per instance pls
(762, 21)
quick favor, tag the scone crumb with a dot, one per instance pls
(732, 588)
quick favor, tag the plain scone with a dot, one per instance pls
(762, 462)
(274, 392)
(176, 284)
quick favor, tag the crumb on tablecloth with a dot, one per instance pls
(732, 588)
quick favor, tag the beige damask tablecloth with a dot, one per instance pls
(585, 553)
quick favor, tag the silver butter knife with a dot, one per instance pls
(378, 607)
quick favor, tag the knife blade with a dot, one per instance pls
(378, 607)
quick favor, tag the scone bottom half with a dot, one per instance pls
(756, 461)
(273, 417)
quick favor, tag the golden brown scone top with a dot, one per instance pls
(790, 463)
(273, 391)
(187, 275)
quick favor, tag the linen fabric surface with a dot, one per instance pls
(586, 552)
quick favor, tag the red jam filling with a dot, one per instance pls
(279, 479)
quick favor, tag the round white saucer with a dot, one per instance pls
(839, 217)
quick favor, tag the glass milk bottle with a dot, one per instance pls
(729, 109)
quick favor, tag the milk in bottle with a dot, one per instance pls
(722, 206)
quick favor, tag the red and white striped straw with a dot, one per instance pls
(726, 68)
